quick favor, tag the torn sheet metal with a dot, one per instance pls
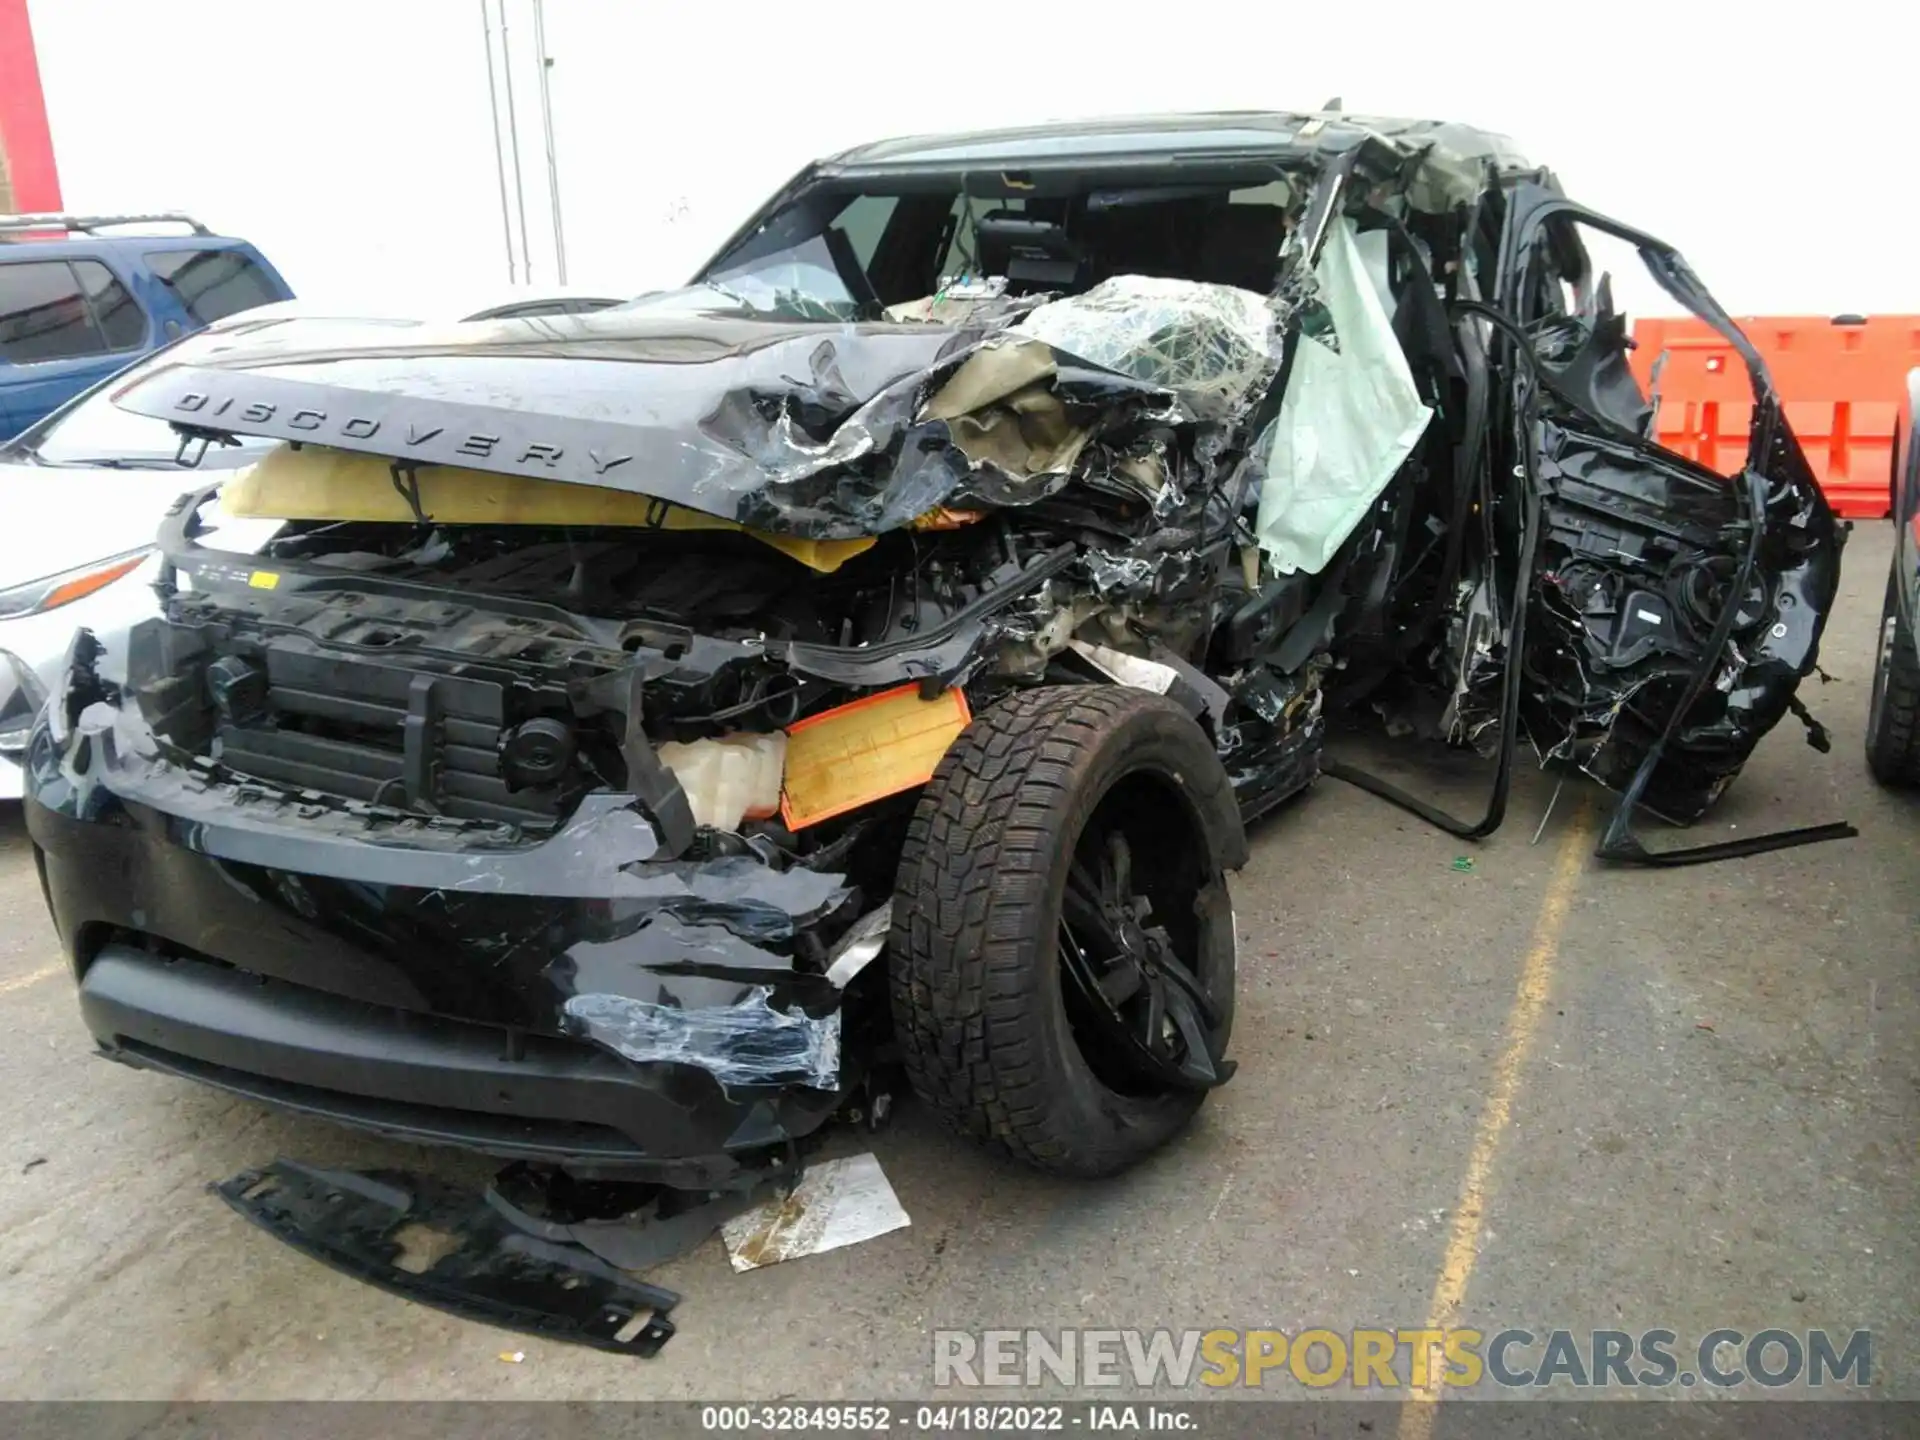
(836, 1204)
(423, 1239)
(785, 426)
(1124, 669)
(1351, 416)
(1148, 572)
(995, 372)
(864, 942)
(1211, 345)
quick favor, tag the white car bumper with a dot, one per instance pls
(34, 647)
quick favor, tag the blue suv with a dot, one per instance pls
(77, 307)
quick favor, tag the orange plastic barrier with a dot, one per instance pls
(1841, 382)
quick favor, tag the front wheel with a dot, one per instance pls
(1062, 956)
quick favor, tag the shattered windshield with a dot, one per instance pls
(797, 283)
(837, 253)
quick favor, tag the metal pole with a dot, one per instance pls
(513, 139)
(546, 124)
(499, 158)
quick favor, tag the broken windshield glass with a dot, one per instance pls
(797, 283)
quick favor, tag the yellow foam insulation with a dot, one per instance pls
(1000, 407)
(314, 483)
(876, 746)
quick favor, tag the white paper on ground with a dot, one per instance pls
(1349, 419)
(837, 1203)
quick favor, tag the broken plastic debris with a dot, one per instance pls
(730, 779)
(954, 302)
(836, 1204)
(433, 1242)
(630, 1225)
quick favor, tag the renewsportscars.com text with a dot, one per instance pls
(1413, 1359)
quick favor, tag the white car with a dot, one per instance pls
(83, 493)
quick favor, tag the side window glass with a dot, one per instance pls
(212, 284)
(44, 315)
(864, 222)
(114, 309)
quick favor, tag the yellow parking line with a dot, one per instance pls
(1463, 1243)
(21, 982)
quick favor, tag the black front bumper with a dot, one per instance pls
(419, 1078)
(443, 991)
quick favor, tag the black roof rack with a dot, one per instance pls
(88, 224)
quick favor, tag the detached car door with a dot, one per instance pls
(1675, 609)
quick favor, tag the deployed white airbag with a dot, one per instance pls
(1350, 417)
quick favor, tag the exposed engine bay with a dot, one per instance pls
(703, 635)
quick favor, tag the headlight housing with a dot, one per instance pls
(53, 591)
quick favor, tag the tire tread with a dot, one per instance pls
(975, 887)
(1893, 752)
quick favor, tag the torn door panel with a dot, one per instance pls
(1677, 616)
(1641, 559)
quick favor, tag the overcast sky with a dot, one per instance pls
(351, 140)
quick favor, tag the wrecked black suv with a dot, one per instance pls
(649, 729)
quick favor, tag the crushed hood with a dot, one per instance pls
(821, 430)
